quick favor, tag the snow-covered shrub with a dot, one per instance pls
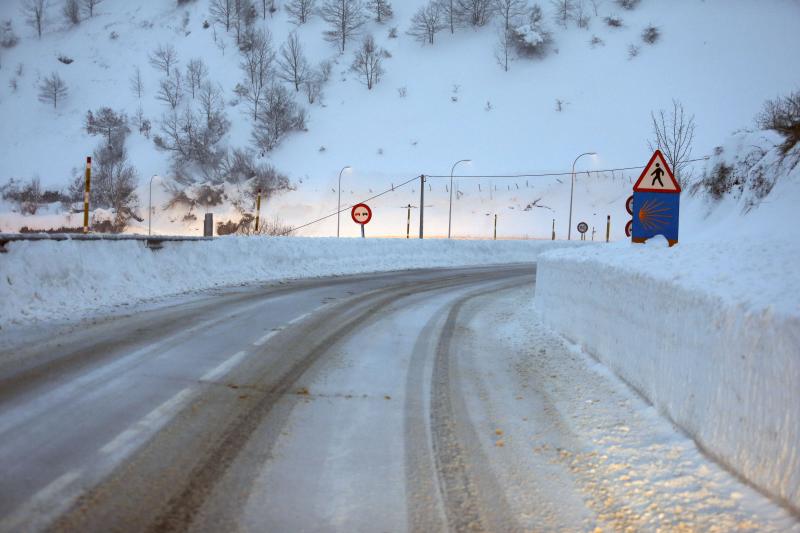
(27, 196)
(8, 38)
(596, 41)
(613, 21)
(628, 4)
(393, 32)
(650, 34)
(633, 51)
(65, 59)
(532, 37)
(782, 115)
(72, 12)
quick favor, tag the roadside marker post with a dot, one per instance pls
(608, 228)
(554, 229)
(86, 195)
(495, 226)
(421, 205)
(258, 209)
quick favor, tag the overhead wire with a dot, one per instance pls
(497, 176)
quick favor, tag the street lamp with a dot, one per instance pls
(450, 213)
(571, 190)
(150, 208)
(339, 205)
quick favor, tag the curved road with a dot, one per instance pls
(165, 421)
(408, 401)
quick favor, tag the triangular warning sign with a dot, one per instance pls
(657, 176)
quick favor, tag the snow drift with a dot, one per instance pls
(709, 330)
(58, 280)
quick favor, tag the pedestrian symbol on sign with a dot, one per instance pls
(657, 173)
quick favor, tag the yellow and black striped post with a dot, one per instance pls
(554, 229)
(495, 226)
(86, 194)
(608, 227)
(258, 209)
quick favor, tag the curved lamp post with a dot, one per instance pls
(450, 213)
(339, 205)
(150, 208)
(571, 190)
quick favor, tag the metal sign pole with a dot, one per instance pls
(258, 209)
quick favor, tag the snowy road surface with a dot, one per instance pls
(414, 401)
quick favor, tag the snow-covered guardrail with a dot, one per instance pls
(708, 332)
(154, 242)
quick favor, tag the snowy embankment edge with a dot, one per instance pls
(726, 373)
(70, 279)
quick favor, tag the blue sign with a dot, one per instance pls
(656, 202)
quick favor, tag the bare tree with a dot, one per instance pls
(72, 11)
(164, 57)
(300, 10)
(345, 18)
(427, 22)
(510, 11)
(505, 44)
(596, 6)
(170, 90)
(89, 5)
(368, 62)
(34, 12)
(257, 65)
(564, 10)
(222, 12)
(312, 87)
(673, 134)
(137, 85)
(278, 116)
(244, 15)
(196, 72)
(381, 9)
(52, 89)
(292, 64)
(450, 12)
(475, 12)
(111, 125)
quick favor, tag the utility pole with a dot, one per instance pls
(421, 206)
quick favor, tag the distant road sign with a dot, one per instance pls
(629, 205)
(361, 214)
(583, 227)
(629, 228)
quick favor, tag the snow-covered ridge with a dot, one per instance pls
(65, 280)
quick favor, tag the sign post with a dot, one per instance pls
(361, 214)
(656, 202)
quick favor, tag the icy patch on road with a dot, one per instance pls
(580, 444)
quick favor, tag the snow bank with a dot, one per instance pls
(708, 331)
(55, 280)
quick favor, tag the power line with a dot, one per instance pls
(550, 174)
(387, 191)
(396, 187)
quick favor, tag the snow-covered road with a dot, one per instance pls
(414, 401)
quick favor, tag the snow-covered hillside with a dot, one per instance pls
(458, 104)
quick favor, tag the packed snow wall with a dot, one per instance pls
(49, 280)
(711, 336)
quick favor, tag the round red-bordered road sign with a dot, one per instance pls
(629, 205)
(361, 214)
(629, 228)
(583, 227)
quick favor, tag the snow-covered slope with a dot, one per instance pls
(720, 67)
